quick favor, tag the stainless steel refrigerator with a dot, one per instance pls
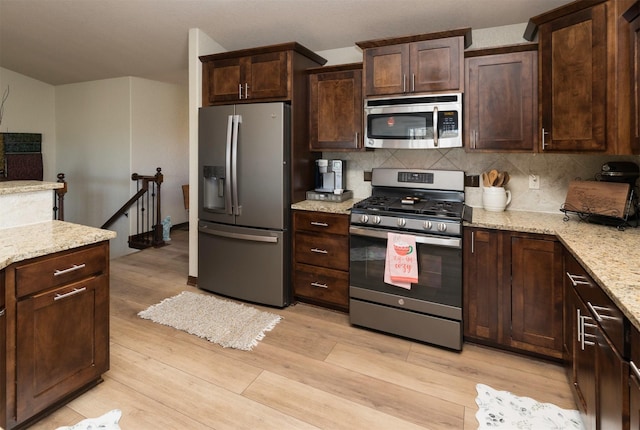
(244, 243)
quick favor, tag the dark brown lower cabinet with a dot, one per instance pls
(321, 258)
(58, 342)
(598, 370)
(513, 291)
(482, 280)
(61, 343)
(634, 380)
(3, 356)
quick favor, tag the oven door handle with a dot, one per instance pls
(449, 242)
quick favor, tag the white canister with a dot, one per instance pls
(495, 199)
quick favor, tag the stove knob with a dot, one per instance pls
(364, 219)
(376, 219)
(402, 222)
(427, 225)
(442, 226)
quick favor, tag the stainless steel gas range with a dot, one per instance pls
(422, 205)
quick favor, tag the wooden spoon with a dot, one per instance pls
(493, 175)
(485, 179)
(500, 180)
(506, 179)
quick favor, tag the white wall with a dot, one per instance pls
(160, 138)
(93, 133)
(111, 128)
(30, 108)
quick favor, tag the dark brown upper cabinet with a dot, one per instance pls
(633, 16)
(415, 64)
(257, 74)
(501, 99)
(584, 78)
(335, 108)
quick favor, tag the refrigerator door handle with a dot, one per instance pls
(249, 237)
(228, 204)
(237, 209)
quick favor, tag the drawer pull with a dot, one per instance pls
(70, 269)
(635, 370)
(319, 251)
(319, 285)
(578, 279)
(319, 224)
(594, 310)
(70, 293)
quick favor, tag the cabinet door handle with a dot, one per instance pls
(319, 285)
(544, 143)
(356, 140)
(635, 370)
(70, 293)
(2, 312)
(70, 269)
(246, 90)
(319, 251)
(473, 242)
(404, 83)
(579, 321)
(581, 326)
(413, 82)
(240, 91)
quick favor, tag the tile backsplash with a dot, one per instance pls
(555, 171)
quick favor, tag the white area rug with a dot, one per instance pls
(229, 324)
(108, 421)
(503, 410)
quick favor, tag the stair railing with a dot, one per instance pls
(147, 203)
(58, 206)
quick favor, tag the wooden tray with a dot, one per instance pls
(598, 198)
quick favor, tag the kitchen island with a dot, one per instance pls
(55, 279)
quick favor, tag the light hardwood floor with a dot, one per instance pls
(313, 371)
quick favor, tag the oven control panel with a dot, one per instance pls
(415, 178)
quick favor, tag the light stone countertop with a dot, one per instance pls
(324, 206)
(35, 240)
(15, 187)
(610, 256)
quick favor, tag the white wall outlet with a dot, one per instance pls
(534, 182)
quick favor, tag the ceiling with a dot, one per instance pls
(68, 41)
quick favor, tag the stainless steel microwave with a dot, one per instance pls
(414, 122)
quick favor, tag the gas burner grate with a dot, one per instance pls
(406, 205)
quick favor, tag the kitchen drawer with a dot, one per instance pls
(49, 272)
(331, 251)
(325, 285)
(607, 314)
(321, 222)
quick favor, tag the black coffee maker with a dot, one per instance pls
(624, 172)
(620, 171)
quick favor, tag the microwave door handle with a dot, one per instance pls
(227, 182)
(435, 126)
(234, 158)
